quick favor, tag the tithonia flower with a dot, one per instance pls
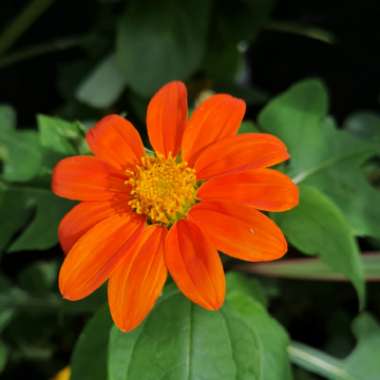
(142, 214)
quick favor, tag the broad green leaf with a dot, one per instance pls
(22, 155)
(365, 125)
(313, 269)
(159, 44)
(7, 118)
(89, 359)
(103, 85)
(17, 204)
(323, 156)
(179, 340)
(362, 364)
(57, 135)
(318, 227)
(270, 361)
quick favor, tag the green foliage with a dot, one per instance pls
(89, 359)
(182, 341)
(148, 31)
(318, 227)
(103, 85)
(323, 156)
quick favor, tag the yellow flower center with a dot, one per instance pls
(163, 189)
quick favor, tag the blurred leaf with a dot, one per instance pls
(317, 227)
(362, 364)
(22, 155)
(39, 277)
(179, 340)
(102, 87)
(323, 156)
(6, 313)
(3, 356)
(41, 233)
(14, 212)
(365, 125)
(58, 135)
(248, 127)
(159, 44)
(312, 269)
(89, 359)
(7, 118)
(17, 203)
(233, 24)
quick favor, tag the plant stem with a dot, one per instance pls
(22, 22)
(44, 48)
(317, 362)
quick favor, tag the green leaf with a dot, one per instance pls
(103, 85)
(179, 340)
(58, 135)
(238, 282)
(363, 363)
(41, 233)
(365, 125)
(159, 44)
(318, 227)
(7, 118)
(323, 156)
(14, 212)
(89, 359)
(270, 360)
(17, 203)
(22, 155)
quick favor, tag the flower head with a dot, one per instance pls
(142, 215)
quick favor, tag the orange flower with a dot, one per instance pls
(142, 215)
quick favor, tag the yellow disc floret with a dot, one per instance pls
(163, 189)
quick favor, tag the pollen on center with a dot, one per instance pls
(163, 189)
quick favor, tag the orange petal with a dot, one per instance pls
(166, 118)
(195, 265)
(84, 216)
(86, 178)
(116, 141)
(264, 189)
(246, 151)
(93, 257)
(218, 117)
(239, 230)
(138, 281)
